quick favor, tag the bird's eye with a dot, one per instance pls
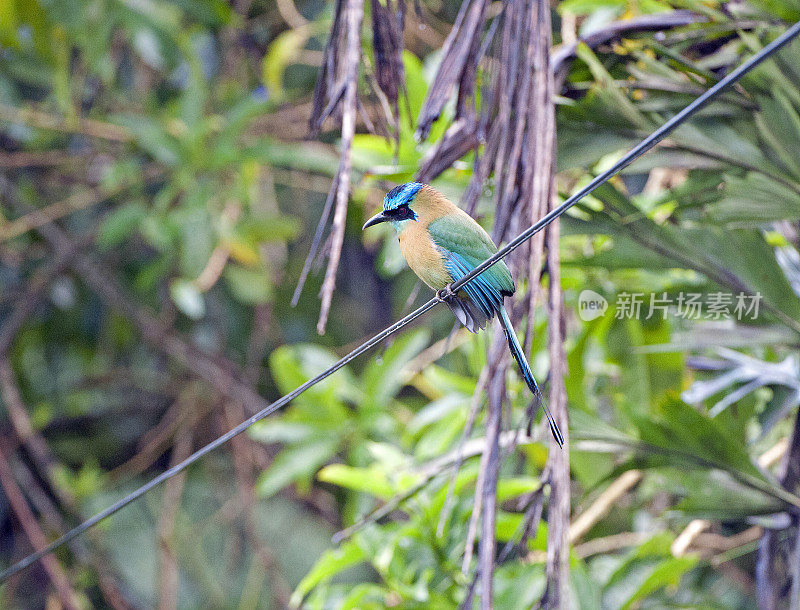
(404, 212)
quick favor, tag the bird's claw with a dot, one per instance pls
(445, 294)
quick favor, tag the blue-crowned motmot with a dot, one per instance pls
(442, 243)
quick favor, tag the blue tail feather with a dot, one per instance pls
(525, 369)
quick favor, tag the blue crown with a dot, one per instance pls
(401, 195)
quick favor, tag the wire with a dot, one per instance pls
(626, 160)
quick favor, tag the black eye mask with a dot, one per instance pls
(402, 212)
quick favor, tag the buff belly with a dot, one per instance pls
(423, 257)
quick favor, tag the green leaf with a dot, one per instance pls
(755, 200)
(279, 431)
(715, 495)
(196, 233)
(120, 223)
(274, 228)
(160, 233)
(779, 125)
(371, 480)
(648, 553)
(666, 573)
(330, 564)
(585, 7)
(436, 411)
(611, 94)
(251, 286)
(294, 464)
(9, 23)
(193, 99)
(681, 429)
(293, 365)
(281, 53)
(307, 157)
(372, 150)
(516, 486)
(152, 137)
(366, 596)
(788, 10)
(678, 434)
(382, 377)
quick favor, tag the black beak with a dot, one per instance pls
(377, 219)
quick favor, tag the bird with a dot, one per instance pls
(441, 244)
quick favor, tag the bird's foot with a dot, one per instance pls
(445, 294)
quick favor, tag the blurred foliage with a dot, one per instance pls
(167, 140)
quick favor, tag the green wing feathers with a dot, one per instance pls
(465, 245)
(460, 234)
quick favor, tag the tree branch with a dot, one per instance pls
(560, 57)
(778, 565)
(490, 468)
(354, 14)
(557, 567)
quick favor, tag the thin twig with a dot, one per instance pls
(534, 505)
(609, 544)
(540, 182)
(42, 120)
(602, 505)
(41, 158)
(715, 543)
(185, 411)
(795, 571)
(315, 243)
(34, 294)
(93, 554)
(78, 201)
(354, 14)
(386, 509)
(37, 538)
(20, 421)
(496, 351)
(557, 569)
(437, 467)
(288, 11)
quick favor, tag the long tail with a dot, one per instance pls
(527, 374)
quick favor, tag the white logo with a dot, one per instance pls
(591, 305)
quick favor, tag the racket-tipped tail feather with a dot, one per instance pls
(527, 374)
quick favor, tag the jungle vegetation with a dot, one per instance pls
(182, 189)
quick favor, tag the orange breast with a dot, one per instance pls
(422, 256)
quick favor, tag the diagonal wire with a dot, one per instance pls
(601, 178)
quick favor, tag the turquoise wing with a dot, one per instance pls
(464, 246)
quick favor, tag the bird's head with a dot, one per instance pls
(399, 206)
